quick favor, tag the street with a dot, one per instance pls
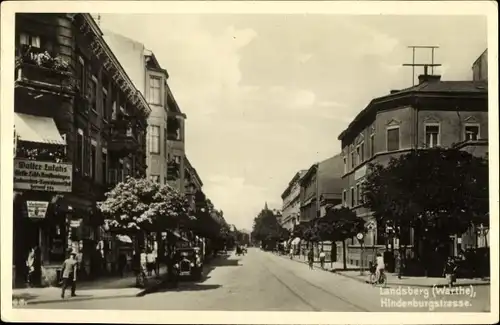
(262, 281)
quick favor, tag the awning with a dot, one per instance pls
(296, 241)
(38, 129)
(124, 239)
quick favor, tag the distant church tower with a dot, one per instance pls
(265, 207)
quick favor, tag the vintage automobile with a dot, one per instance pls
(188, 262)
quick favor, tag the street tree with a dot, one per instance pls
(267, 229)
(438, 192)
(140, 205)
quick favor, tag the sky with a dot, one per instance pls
(268, 95)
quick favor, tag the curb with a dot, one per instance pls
(340, 272)
(66, 300)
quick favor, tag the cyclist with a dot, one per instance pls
(322, 257)
(380, 267)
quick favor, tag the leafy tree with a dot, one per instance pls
(267, 229)
(139, 205)
(439, 192)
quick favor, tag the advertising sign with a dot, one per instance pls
(37, 209)
(42, 176)
(75, 223)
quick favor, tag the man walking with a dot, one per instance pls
(69, 268)
(310, 257)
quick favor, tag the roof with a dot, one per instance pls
(426, 88)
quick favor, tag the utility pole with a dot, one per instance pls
(425, 65)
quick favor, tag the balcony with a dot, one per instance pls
(123, 139)
(35, 69)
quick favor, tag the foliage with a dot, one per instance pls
(42, 59)
(267, 227)
(441, 190)
(140, 204)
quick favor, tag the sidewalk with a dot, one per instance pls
(353, 272)
(105, 288)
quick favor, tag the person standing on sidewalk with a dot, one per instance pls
(30, 267)
(310, 258)
(69, 269)
(322, 256)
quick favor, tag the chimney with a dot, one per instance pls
(428, 78)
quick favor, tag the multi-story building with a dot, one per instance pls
(319, 186)
(432, 113)
(480, 67)
(78, 117)
(291, 202)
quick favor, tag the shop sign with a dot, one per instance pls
(42, 176)
(75, 223)
(37, 209)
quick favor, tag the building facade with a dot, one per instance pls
(291, 202)
(480, 67)
(321, 185)
(432, 113)
(81, 120)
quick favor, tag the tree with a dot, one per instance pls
(267, 229)
(138, 205)
(437, 192)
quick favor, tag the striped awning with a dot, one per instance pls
(38, 129)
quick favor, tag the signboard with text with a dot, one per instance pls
(42, 176)
(37, 209)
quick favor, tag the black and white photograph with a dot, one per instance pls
(250, 157)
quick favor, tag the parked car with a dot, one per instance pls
(189, 263)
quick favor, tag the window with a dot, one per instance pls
(361, 152)
(31, 40)
(372, 145)
(105, 111)
(155, 178)
(113, 111)
(344, 198)
(353, 198)
(79, 151)
(165, 136)
(120, 171)
(393, 139)
(359, 193)
(154, 144)
(345, 165)
(93, 160)
(353, 158)
(81, 74)
(104, 165)
(155, 90)
(358, 155)
(93, 94)
(471, 132)
(431, 136)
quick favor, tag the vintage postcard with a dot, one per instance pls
(250, 162)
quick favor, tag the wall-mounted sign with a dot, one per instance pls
(37, 209)
(42, 176)
(75, 223)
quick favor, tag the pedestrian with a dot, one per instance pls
(291, 253)
(450, 270)
(69, 269)
(310, 258)
(150, 262)
(322, 257)
(30, 267)
(380, 266)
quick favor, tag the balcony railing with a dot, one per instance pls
(41, 69)
(123, 140)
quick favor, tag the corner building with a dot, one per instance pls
(79, 117)
(432, 113)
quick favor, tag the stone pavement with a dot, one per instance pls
(99, 289)
(353, 272)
